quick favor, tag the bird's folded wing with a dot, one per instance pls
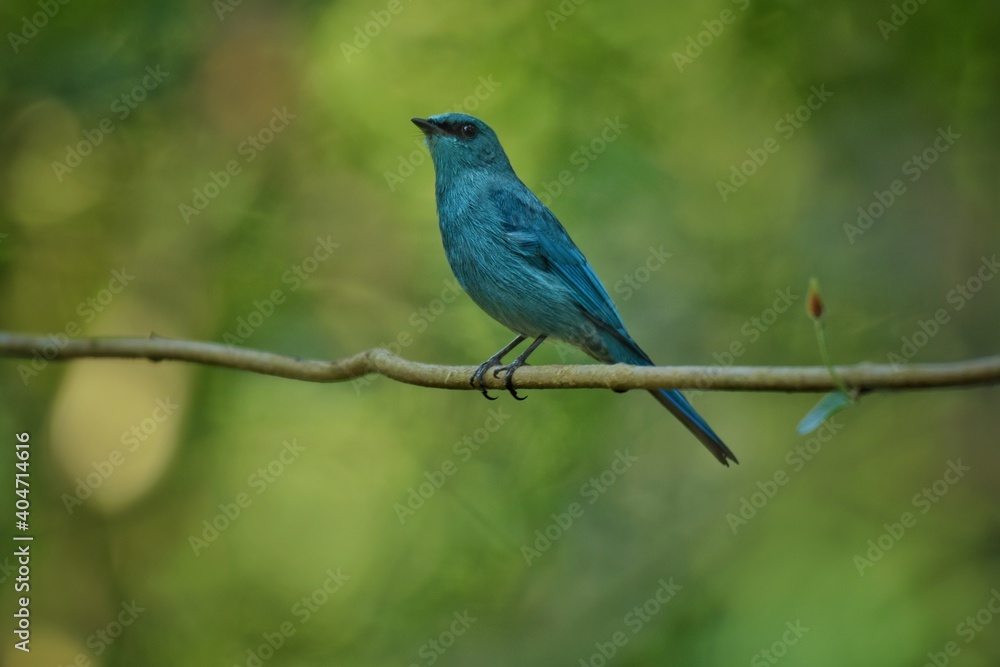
(536, 234)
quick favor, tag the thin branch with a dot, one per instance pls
(863, 377)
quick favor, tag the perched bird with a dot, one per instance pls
(516, 261)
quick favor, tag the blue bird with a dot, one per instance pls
(516, 261)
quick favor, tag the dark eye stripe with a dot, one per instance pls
(461, 129)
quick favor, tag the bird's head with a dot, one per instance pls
(459, 142)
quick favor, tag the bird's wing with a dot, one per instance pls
(536, 234)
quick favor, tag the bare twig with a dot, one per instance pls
(862, 377)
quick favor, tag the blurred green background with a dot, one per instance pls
(247, 172)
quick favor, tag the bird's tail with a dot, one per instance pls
(619, 347)
(679, 407)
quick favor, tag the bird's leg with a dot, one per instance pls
(521, 359)
(477, 378)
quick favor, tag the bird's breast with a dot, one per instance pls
(497, 277)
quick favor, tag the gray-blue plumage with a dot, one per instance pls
(516, 261)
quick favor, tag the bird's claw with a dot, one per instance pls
(477, 378)
(494, 363)
(508, 380)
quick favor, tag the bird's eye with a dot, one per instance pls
(468, 131)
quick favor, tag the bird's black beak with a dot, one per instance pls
(426, 126)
